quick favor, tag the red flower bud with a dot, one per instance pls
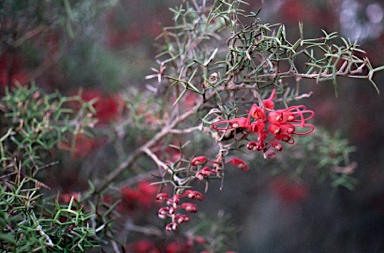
(269, 154)
(251, 145)
(204, 172)
(198, 160)
(175, 199)
(189, 207)
(277, 146)
(171, 227)
(162, 196)
(163, 212)
(268, 103)
(194, 195)
(172, 210)
(181, 218)
(240, 164)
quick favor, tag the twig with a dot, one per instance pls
(187, 130)
(138, 152)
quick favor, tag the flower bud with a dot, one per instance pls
(251, 145)
(277, 146)
(171, 227)
(163, 212)
(194, 195)
(181, 218)
(240, 164)
(189, 207)
(198, 160)
(162, 196)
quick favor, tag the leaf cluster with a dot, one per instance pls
(33, 124)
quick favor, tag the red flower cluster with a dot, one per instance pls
(270, 126)
(174, 205)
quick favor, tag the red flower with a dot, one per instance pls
(144, 195)
(194, 195)
(289, 192)
(11, 71)
(189, 207)
(143, 246)
(239, 164)
(198, 160)
(129, 194)
(66, 197)
(178, 247)
(147, 193)
(84, 145)
(171, 227)
(270, 126)
(107, 106)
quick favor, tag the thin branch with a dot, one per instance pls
(156, 159)
(187, 130)
(138, 152)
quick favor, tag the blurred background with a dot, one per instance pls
(109, 46)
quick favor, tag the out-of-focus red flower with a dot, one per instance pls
(129, 194)
(289, 192)
(178, 247)
(293, 11)
(143, 246)
(143, 196)
(147, 193)
(83, 145)
(66, 197)
(11, 71)
(107, 106)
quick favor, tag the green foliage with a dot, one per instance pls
(46, 15)
(33, 125)
(34, 122)
(31, 224)
(321, 157)
(256, 55)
